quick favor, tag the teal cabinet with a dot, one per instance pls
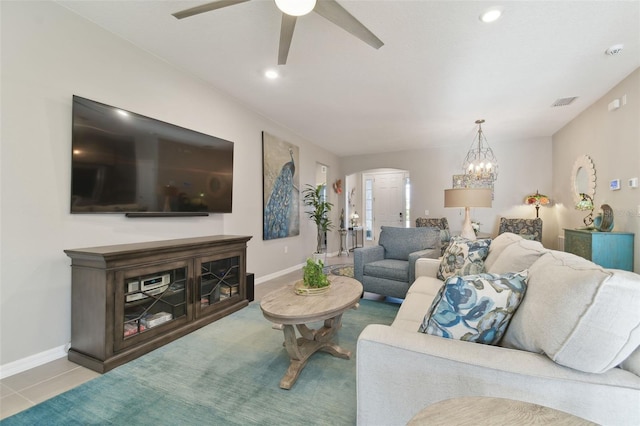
(608, 249)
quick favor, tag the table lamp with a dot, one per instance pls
(467, 198)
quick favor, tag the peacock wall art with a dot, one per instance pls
(281, 193)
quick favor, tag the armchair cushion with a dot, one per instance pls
(475, 308)
(464, 257)
(398, 243)
(391, 269)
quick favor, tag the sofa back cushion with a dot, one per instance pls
(580, 315)
(498, 244)
(398, 243)
(517, 256)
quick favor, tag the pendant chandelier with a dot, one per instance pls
(480, 162)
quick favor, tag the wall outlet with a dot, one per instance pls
(426, 212)
(633, 182)
(286, 249)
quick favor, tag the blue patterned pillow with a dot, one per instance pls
(463, 257)
(475, 308)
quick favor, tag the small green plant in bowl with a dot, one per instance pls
(314, 281)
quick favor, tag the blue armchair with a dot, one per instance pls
(389, 268)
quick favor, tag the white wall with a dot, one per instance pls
(50, 54)
(525, 165)
(612, 140)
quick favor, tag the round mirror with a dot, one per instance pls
(583, 178)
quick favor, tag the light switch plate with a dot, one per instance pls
(633, 182)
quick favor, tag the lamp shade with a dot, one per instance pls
(467, 197)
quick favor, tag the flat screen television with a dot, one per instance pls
(123, 162)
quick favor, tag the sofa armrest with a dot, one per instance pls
(364, 255)
(427, 267)
(400, 372)
(422, 254)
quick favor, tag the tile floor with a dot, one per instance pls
(24, 390)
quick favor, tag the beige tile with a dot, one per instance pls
(59, 384)
(12, 404)
(5, 390)
(28, 378)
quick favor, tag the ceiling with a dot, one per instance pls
(439, 70)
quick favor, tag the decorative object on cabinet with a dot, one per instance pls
(612, 250)
(530, 229)
(467, 197)
(280, 188)
(583, 178)
(603, 221)
(480, 162)
(537, 200)
(586, 204)
(129, 299)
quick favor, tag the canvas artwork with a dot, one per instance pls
(281, 188)
(468, 181)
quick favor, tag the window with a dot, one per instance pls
(368, 207)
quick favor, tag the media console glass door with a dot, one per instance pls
(150, 301)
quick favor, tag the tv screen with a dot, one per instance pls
(128, 163)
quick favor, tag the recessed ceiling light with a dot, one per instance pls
(491, 15)
(271, 74)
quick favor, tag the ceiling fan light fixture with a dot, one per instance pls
(296, 7)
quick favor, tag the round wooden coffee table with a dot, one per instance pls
(291, 311)
(483, 410)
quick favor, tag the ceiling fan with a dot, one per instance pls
(328, 9)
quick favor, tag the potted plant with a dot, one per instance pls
(319, 212)
(314, 280)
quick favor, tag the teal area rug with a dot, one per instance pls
(226, 373)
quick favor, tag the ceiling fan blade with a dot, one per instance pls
(286, 34)
(331, 10)
(206, 8)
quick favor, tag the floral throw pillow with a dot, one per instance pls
(475, 308)
(463, 257)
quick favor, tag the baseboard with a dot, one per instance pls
(278, 274)
(32, 361)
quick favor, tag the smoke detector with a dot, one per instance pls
(614, 50)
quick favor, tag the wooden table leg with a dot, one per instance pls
(312, 341)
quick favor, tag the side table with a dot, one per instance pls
(488, 411)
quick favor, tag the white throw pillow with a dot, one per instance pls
(580, 315)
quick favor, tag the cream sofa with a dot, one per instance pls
(579, 324)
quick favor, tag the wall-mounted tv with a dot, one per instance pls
(124, 162)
